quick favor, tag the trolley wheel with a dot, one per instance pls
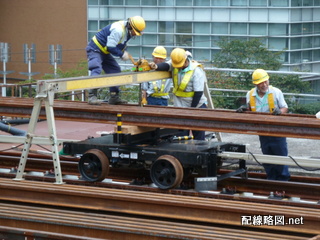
(94, 165)
(166, 172)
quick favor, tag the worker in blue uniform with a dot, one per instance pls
(266, 98)
(108, 43)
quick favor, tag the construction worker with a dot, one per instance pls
(157, 92)
(265, 98)
(188, 82)
(108, 43)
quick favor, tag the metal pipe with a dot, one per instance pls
(12, 130)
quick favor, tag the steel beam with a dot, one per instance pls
(287, 125)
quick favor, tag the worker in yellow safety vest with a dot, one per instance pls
(189, 80)
(157, 92)
(108, 43)
(266, 98)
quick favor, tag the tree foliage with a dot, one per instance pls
(251, 54)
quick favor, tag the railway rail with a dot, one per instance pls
(306, 188)
(194, 209)
(71, 224)
(290, 125)
(201, 208)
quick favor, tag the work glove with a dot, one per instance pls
(144, 101)
(276, 111)
(189, 54)
(242, 109)
(125, 56)
(153, 66)
(318, 115)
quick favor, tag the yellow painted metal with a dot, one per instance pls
(108, 80)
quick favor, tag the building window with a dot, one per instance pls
(307, 28)
(151, 27)
(149, 2)
(93, 2)
(93, 26)
(279, 3)
(296, 3)
(220, 3)
(215, 40)
(278, 29)
(183, 2)
(132, 2)
(307, 42)
(238, 28)
(166, 27)
(183, 27)
(201, 54)
(258, 3)
(238, 2)
(103, 24)
(166, 3)
(278, 43)
(147, 52)
(93, 12)
(166, 39)
(307, 2)
(316, 28)
(316, 55)
(104, 13)
(203, 28)
(295, 57)
(220, 28)
(295, 43)
(316, 42)
(201, 3)
(296, 29)
(116, 2)
(258, 29)
(183, 40)
(104, 2)
(149, 39)
(201, 41)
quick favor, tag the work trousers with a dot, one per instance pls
(98, 61)
(157, 101)
(275, 146)
(197, 135)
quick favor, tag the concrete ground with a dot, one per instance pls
(297, 147)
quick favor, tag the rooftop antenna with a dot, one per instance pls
(29, 57)
(4, 57)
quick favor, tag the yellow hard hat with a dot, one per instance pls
(160, 52)
(259, 76)
(178, 57)
(138, 24)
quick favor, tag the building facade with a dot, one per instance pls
(42, 23)
(292, 26)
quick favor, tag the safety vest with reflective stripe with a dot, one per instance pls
(159, 92)
(179, 90)
(253, 100)
(104, 49)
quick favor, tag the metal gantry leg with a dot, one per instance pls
(211, 106)
(31, 135)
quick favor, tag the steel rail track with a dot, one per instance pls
(296, 126)
(306, 188)
(149, 204)
(106, 226)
